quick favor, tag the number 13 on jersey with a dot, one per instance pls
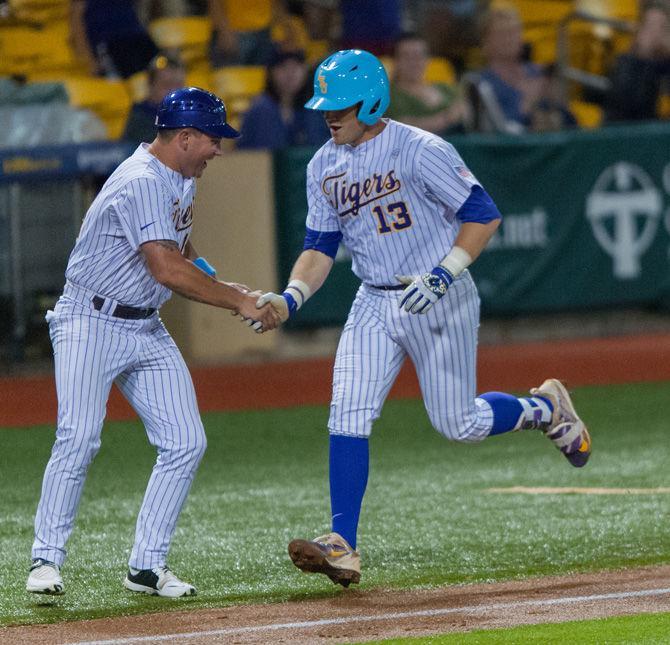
(396, 213)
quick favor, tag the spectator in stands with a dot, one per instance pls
(164, 75)
(637, 76)
(436, 107)
(449, 26)
(242, 30)
(109, 37)
(373, 25)
(518, 90)
(321, 18)
(277, 118)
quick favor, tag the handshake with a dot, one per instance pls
(274, 308)
(263, 311)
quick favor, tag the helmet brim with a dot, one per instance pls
(322, 103)
(223, 130)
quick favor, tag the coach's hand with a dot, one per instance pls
(277, 301)
(260, 319)
(279, 305)
(425, 290)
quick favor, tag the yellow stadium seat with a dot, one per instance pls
(237, 85)
(137, 86)
(316, 51)
(619, 9)
(663, 106)
(588, 115)
(594, 47)
(625, 9)
(39, 11)
(440, 70)
(37, 53)
(534, 12)
(387, 62)
(200, 77)
(543, 41)
(290, 33)
(188, 36)
(108, 99)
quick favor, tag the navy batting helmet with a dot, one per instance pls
(349, 77)
(192, 107)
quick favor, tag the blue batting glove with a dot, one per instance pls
(424, 291)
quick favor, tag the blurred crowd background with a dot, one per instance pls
(86, 77)
(85, 70)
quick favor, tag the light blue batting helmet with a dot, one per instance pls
(349, 77)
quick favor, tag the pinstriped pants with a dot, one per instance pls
(442, 344)
(91, 351)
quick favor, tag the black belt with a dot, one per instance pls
(124, 311)
(390, 287)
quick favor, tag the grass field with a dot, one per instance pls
(640, 630)
(427, 519)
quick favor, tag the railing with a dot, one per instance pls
(43, 197)
(582, 77)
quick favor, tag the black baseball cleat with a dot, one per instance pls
(159, 581)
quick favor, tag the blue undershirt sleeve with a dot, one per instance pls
(324, 241)
(478, 207)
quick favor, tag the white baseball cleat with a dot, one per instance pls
(329, 554)
(45, 578)
(566, 430)
(159, 581)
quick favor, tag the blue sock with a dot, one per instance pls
(508, 410)
(349, 463)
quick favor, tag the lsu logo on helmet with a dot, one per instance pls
(323, 86)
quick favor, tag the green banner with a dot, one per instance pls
(586, 221)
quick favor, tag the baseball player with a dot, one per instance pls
(133, 250)
(414, 218)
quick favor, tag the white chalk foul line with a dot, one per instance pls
(345, 620)
(575, 490)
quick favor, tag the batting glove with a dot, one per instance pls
(425, 290)
(283, 304)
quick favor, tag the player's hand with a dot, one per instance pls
(277, 301)
(259, 319)
(278, 304)
(425, 290)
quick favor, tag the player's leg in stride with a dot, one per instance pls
(335, 554)
(549, 409)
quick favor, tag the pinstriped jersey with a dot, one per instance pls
(143, 200)
(393, 197)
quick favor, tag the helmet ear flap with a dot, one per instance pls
(370, 114)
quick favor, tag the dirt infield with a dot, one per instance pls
(358, 616)
(516, 367)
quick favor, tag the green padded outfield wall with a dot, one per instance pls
(586, 222)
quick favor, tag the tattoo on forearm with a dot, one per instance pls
(170, 245)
